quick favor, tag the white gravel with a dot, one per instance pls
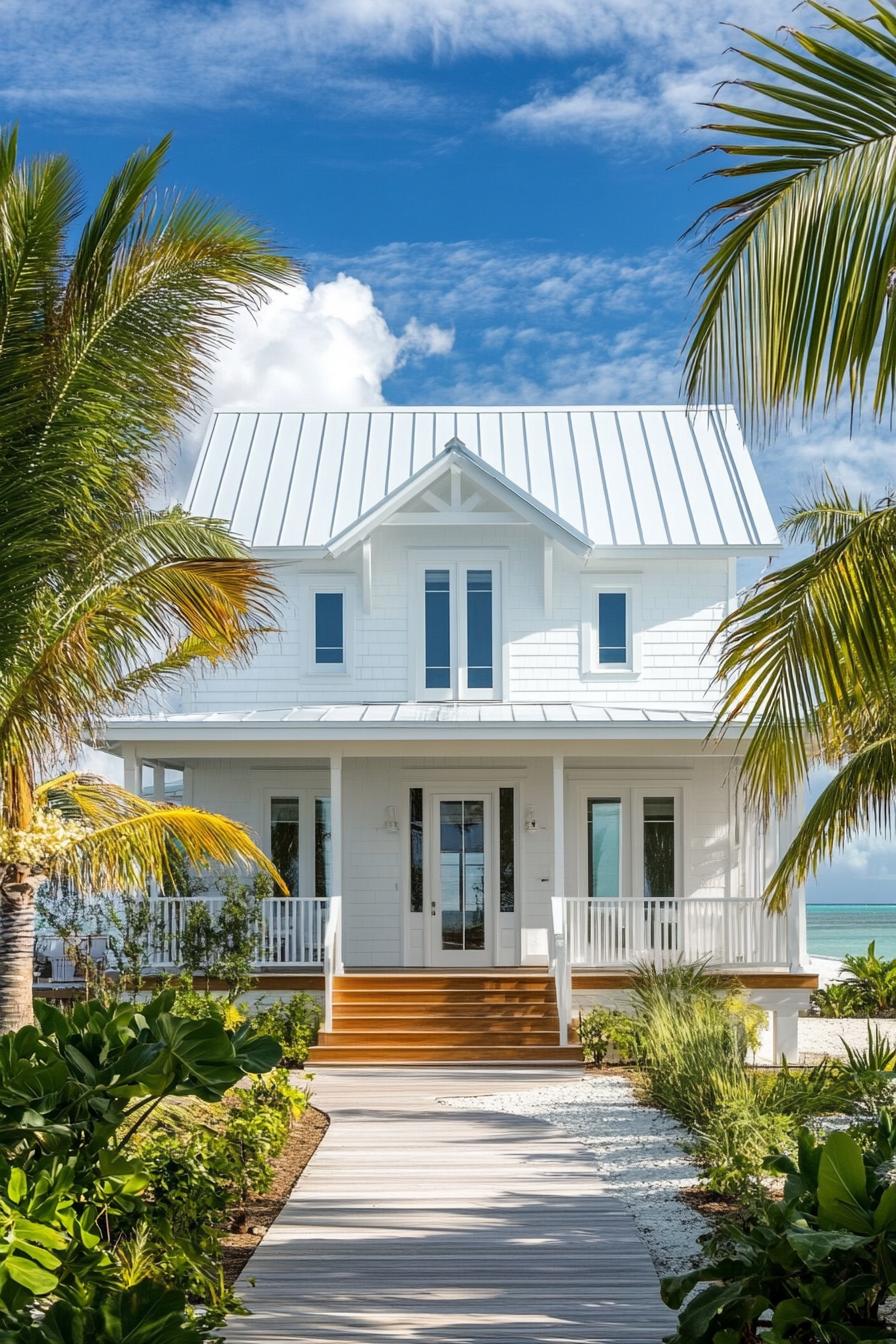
(820, 1036)
(638, 1151)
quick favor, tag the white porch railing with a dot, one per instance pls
(290, 930)
(724, 932)
(332, 957)
(559, 965)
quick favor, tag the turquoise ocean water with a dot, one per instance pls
(833, 930)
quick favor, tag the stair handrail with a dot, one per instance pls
(333, 965)
(560, 967)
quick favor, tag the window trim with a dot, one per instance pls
(458, 563)
(592, 587)
(312, 584)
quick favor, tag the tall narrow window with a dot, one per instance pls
(612, 628)
(604, 831)
(480, 642)
(329, 628)
(437, 622)
(323, 849)
(659, 848)
(507, 850)
(285, 840)
(416, 854)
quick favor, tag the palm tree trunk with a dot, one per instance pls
(17, 890)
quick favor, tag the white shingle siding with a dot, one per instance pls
(681, 603)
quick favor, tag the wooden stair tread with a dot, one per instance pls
(443, 1017)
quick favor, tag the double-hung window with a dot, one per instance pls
(610, 634)
(460, 637)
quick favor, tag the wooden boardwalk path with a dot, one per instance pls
(418, 1222)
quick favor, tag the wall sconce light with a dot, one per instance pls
(391, 822)
(531, 824)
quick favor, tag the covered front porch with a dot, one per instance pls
(572, 857)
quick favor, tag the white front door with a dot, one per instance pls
(461, 880)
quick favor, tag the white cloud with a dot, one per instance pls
(101, 53)
(322, 347)
(327, 346)
(658, 65)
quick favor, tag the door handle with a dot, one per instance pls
(432, 907)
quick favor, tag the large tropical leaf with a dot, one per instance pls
(797, 292)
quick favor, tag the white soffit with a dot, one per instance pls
(610, 476)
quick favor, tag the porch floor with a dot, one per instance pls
(415, 1222)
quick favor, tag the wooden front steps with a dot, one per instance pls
(492, 1017)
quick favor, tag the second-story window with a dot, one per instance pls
(437, 629)
(480, 630)
(329, 629)
(611, 625)
(460, 637)
(612, 628)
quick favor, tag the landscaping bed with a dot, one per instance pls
(767, 1197)
(252, 1220)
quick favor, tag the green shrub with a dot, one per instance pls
(843, 998)
(602, 1030)
(74, 1090)
(815, 1266)
(294, 1022)
(870, 992)
(201, 1004)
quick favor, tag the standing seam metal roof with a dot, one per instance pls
(622, 476)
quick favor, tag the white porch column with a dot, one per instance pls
(336, 852)
(133, 767)
(559, 828)
(560, 953)
(158, 782)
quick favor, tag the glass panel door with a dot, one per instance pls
(461, 882)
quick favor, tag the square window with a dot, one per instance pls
(329, 629)
(612, 628)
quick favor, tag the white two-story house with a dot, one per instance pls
(477, 747)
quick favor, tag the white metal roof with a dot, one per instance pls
(613, 476)
(404, 720)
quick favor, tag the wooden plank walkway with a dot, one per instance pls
(414, 1221)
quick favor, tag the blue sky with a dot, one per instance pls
(488, 196)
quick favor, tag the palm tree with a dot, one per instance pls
(797, 294)
(797, 305)
(809, 678)
(104, 349)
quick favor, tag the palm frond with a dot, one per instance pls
(862, 794)
(149, 596)
(810, 644)
(796, 296)
(130, 841)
